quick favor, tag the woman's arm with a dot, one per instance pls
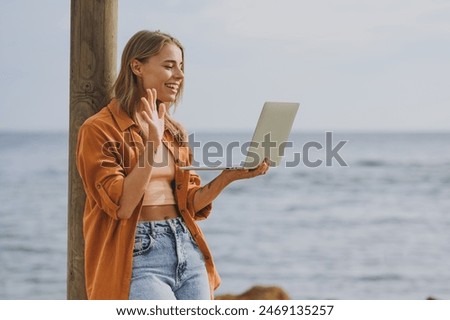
(209, 192)
(135, 183)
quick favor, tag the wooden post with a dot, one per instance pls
(93, 47)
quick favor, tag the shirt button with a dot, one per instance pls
(182, 211)
(179, 186)
(207, 257)
(99, 186)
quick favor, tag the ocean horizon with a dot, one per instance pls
(372, 226)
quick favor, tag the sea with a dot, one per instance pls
(346, 215)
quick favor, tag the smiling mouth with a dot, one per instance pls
(172, 86)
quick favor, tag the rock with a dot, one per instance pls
(258, 293)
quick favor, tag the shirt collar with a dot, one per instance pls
(120, 116)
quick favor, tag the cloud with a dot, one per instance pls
(352, 64)
(319, 25)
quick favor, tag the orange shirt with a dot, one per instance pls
(107, 151)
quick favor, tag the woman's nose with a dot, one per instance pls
(179, 74)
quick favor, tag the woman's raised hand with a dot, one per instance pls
(153, 118)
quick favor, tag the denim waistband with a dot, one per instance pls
(162, 225)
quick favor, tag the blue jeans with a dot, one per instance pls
(167, 263)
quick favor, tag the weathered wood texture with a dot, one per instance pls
(93, 51)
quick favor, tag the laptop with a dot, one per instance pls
(269, 138)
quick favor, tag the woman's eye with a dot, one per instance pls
(168, 67)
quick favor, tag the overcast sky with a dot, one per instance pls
(352, 64)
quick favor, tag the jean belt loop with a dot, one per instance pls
(152, 229)
(172, 226)
(182, 224)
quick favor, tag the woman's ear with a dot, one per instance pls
(136, 67)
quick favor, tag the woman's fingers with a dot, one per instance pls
(263, 166)
(146, 117)
(153, 117)
(146, 104)
(261, 169)
(161, 110)
(150, 110)
(150, 101)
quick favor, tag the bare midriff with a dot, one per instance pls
(159, 212)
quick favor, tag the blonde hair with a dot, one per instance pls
(141, 46)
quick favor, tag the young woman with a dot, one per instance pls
(141, 236)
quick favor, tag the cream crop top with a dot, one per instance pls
(159, 188)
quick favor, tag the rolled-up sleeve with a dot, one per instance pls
(100, 167)
(193, 187)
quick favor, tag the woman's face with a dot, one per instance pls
(163, 73)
